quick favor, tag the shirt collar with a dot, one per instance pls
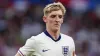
(46, 33)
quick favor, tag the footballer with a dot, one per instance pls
(50, 42)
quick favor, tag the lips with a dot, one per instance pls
(56, 24)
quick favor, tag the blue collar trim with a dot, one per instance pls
(46, 33)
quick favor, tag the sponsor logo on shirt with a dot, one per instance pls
(44, 50)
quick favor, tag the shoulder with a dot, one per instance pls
(37, 37)
(67, 37)
(34, 39)
(69, 40)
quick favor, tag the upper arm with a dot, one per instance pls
(27, 49)
(72, 51)
(17, 54)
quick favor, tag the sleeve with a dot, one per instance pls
(28, 49)
(72, 51)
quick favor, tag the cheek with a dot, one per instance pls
(61, 21)
(50, 21)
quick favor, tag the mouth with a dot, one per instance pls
(57, 25)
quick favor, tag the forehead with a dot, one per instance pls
(58, 12)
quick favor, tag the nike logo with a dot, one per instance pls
(45, 50)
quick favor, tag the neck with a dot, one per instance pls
(54, 34)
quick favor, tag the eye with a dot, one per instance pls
(60, 16)
(53, 16)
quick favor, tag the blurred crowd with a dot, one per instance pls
(21, 19)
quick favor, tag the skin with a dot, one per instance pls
(53, 23)
(17, 54)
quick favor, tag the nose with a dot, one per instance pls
(57, 18)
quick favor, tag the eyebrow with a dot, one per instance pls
(56, 14)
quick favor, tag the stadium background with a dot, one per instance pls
(20, 19)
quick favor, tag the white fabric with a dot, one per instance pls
(42, 45)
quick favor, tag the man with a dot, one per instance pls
(50, 42)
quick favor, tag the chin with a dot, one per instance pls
(56, 29)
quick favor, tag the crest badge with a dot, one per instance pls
(65, 50)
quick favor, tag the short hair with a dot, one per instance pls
(54, 7)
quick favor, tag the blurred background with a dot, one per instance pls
(21, 19)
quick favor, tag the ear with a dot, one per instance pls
(45, 19)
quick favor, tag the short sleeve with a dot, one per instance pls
(28, 49)
(72, 51)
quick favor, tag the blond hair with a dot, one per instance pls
(54, 7)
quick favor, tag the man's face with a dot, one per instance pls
(54, 20)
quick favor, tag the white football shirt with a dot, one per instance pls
(44, 45)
